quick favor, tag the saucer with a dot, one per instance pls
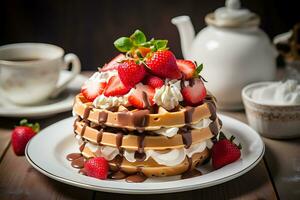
(61, 103)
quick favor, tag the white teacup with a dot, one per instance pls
(29, 72)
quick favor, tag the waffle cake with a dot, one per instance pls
(159, 125)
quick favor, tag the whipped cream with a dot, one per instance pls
(168, 132)
(168, 158)
(103, 76)
(278, 93)
(169, 95)
(202, 123)
(104, 102)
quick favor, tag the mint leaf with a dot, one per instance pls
(138, 37)
(160, 44)
(123, 44)
(199, 68)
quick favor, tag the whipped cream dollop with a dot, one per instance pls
(104, 102)
(103, 76)
(169, 95)
(278, 93)
(168, 158)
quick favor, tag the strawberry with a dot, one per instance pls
(163, 64)
(97, 167)
(21, 135)
(187, 67)
(224, 152)
(131, 73)
(91, 89)
(154, 81)
(115, 87)
(136, 97)
(194, 93)
(113, 64)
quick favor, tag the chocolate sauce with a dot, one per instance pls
(188, 114)
(124, 118)
(83, 129)
(212, 109)
(118, 161)
(186, 138)
(75, 123)
(73, 156)
(191, 174)
(136, 178)
(82, 171)
(82, 146)
(139, 156)
(99, 136)
(140, 118)
(119, 139)
(86, 112)
(78, 163)
(118, 175)
(102, 117)
(191, 82)
(213, 126)
(145, 100)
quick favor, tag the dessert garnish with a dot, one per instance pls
(224, 151)
(146, 113)
(22, 134)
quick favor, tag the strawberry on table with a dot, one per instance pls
(97, 168)
(115, 87)
(92, 89)
(224, 151)
(22, 134)
(194, 93)
(131, 73)
(137, 96)
(113, 64)
(154, 81)
(163, 64)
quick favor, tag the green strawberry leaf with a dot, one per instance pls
(160, 44)
(35, 127)
(138, 37)
(199, 68)
(123, 44)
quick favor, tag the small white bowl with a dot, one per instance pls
(272, 121)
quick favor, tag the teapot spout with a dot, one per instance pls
(186, 33)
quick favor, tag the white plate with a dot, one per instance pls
(59, 104)
(47, 153)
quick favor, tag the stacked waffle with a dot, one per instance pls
(155, 119)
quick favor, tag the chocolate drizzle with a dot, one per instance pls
(140, 119)
(78, 163)
(102, 117)
(213, 126)
(119, 139)
(136, 178)
(83, 129)
(145, 100)
(118, 175)
(140, 155)
(188, 114)
(86, 112)
(186, 130)
(73, 156)
(99, 136)
(212, 109)
(81, 148)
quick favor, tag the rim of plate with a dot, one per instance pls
(185, 187)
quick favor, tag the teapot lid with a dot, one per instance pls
(232, 15)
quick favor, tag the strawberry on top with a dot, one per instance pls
(145, 66)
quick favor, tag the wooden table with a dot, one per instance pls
(276, 176)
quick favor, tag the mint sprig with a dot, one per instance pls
(137, 40)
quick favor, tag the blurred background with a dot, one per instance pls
(88, 28)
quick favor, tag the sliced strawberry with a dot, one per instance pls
(141, 96)
(154, 81)
(163, 64)
(187, 67)
(194, 93)
(131, 73)
(115, 87)
(113, 64)
(97, 167)
(92, 89)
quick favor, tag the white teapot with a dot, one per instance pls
(234, 51)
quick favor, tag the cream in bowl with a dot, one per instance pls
(273, 108)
